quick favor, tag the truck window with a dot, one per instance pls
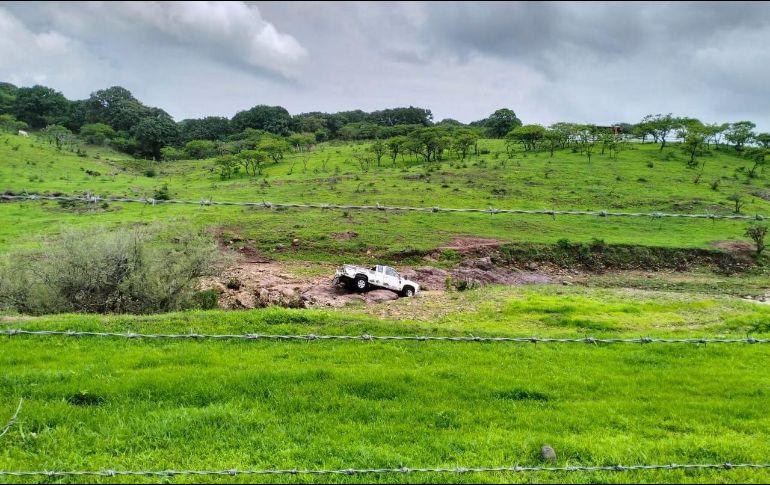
(391, 272)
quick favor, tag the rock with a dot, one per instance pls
(295, 242)
(245, 299)
(279, 246)
(378, 296)
(532, 266)
(567, 283)
(547, 453)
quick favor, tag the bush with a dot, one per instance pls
(460, 285)
(757, 233)
(101, 272)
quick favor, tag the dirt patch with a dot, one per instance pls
(305, 285)
(343, 236)
(472, 244)
(734, 246)
(230, 238)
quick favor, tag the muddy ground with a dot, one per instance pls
(256, 281)
(305, 285)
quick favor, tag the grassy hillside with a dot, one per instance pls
(114, 404)
(95, 403)
(642, 178)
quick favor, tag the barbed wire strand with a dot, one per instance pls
(417, 338)
(378, 207)
(13, 419)
(400, 470)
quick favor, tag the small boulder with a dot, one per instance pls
(547, 453)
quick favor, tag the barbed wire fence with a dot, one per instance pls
(13, 419)
(400, 470)
(370, 338)
(324, 206)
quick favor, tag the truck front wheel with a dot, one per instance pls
(408, 291)
(360, 284)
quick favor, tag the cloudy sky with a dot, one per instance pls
(549, 62)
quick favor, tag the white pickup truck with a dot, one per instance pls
(361, 279)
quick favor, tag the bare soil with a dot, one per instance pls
(254, 284)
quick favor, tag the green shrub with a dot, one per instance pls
(206, 299)
(101, 272)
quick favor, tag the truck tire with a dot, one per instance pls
(408, 291)
(360, 284)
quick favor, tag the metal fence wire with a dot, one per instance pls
(369, 338)
(323, 206)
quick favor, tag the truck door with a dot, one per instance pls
(392, 279)
(379, 276)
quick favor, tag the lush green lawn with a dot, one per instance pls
(565, 181)
(232, 404)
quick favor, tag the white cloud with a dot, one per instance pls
(27, 57)
(222, 30)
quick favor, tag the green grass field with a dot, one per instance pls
(94, 403)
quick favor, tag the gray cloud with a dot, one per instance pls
(595, 62)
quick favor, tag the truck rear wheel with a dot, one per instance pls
(360, 284)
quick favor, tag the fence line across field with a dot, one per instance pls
(370, 338)
(400, 470)
(490, 210)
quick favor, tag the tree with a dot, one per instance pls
(378, 149)
(39, 106)
(396, 145)
(462, 142)
(763, 139)
(7, 97)
(714, 133)
(660, 126)
(551, 140)
(642, 131)
(757, 233)
(208, 128)
(273, 119)
(301, 141)
(10, 124)
(501, 122)
(401, 116)
(527, 135)
(153, 133)
(199, 149)
(228, 166)
(96, 133)
(171, 153)
(117, 107)
(740, 133)
(738, 200)
(586, 136)
(428, 142)
(274, 147)
(57, 135)
(693, 135)
(252, 161)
